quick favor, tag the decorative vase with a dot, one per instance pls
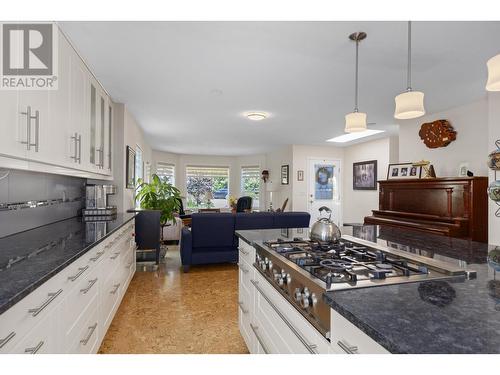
(494, 160)
(494, 191)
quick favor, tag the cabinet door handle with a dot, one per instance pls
(242, 308)
(115, 256)
(116, 286)
(91, 332)
(311, 348)
(245, 270)
(5, 340)
(80, 272)
(254, 329)
(91, 284)
(349, 349)
(244, 252)
(37, 130)
(75, 154)
(38, 310)
(79, 149)
(28, 128)
(34, 349)
(97, 256)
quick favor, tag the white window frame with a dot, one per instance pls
(208, 167)
(255, 202)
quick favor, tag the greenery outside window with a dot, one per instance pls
(207, 187)
(250, 184)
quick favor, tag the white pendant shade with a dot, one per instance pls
(493, 83)
(355, 122)
(409, 105)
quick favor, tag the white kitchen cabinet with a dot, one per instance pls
(14, 133)
(71, 311)
(349, 339)
(62, 130)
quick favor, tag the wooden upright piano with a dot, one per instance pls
(456, 207)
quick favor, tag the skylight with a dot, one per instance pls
(353, 136)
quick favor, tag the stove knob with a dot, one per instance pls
(262, 265)
(313, 299)
(304, 302)
(270, 265)
(306, 292)
(288, 278)
(280, 281)
(297, 294)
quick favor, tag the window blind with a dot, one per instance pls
(166, 171)
(250, 172)
(210, 172)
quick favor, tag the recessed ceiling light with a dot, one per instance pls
(256, 116)
(353, 136)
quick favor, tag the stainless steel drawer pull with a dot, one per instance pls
(242, 308)
(9, 337)
(311, 348)
(79, 149)
(80, 272)
(75, 143)
(116, 286)
(91, 284)
(116, 255)
(35, 349)
(244, 252)
(37, 130)
(38, 310)
(245, 270)
(91, 332)
(254, 329)
(349, 349)
(97, 256)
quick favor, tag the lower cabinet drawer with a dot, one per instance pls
(289, 330)
(80, 297)
(42, 339)
(85, 340)
(349, 339)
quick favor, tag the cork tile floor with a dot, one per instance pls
(168, 311)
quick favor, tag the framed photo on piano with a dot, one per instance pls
(404, 171)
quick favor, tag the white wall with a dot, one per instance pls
(493, 135)
(274, 161)
(359, 203)
(126, 132)
(471, 123)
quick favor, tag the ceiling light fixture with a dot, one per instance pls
(353, 136)
(256, 116)
(356, 121)
(493, 83)
(409, 104)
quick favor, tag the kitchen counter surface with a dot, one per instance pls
(30, 258)
(451, 316)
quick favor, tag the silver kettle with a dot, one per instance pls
(325, 230)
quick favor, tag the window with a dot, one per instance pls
(250, 184)
(207, 187)
(166, 172)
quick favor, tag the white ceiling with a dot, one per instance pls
(188, 83)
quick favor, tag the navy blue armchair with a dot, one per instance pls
(211, 238)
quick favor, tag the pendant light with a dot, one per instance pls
(356, 121)
(409, 104)
(493, 83)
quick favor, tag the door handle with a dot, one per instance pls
(35, 349)
(91, 332)
(38, 310)
(75, 141)
(37, 130)
(79, 149)
(91, 284)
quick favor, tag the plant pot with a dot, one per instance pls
(494, 160)
(494, 191)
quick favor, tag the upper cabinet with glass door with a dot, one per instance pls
(68, 127)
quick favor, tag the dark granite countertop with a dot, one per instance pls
(452, 316)
(30, 258)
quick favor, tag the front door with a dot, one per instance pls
(324, 188)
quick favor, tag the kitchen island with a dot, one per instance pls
(455, 315)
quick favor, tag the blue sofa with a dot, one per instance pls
(211, 238)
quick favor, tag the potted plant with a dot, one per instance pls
(232, 203)
(159, 195)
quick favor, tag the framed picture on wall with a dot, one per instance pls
(364, 175)
(284, 174)
(130, 168)
(404, 171)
